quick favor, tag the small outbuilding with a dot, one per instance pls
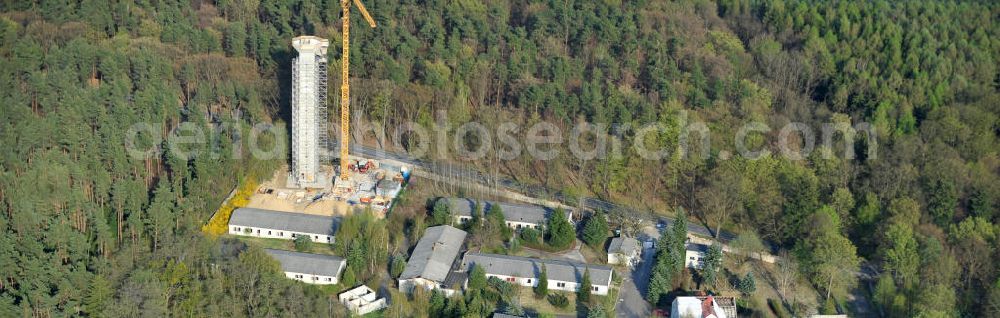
(362, 300)
(624, 251)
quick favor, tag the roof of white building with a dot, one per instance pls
(623, 245)
(514, 212)
(285, 221)
(306, 263)
(516, 266)
(694, 247)
(434, 254)
(685, 307)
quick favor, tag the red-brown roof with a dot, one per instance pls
(707, 310)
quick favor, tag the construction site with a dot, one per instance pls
(371, 184)
(310, 185)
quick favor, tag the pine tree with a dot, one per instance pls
(542, 287)
(442, 212)
(657, 287)
(560, 231)
(477, 278)
(748, 284)
(711, 264)
(437, 304)
(583, 292)
(595, 232)
(678, 233)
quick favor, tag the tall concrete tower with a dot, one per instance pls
(309, 114)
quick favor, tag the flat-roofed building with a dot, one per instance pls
(282, 225)
(309, 268)
(562, 275)
(517, 216)
(362, 300)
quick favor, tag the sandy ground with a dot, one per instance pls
(322, 207)
(272, 201)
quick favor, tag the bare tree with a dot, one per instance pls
(786, 274)
(628, 221)
(721, 198)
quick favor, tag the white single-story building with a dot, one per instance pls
(697, 307)
(282, 225)
(517, 216)
(694, 255)
(562, 275)
(624, 251)
(309, 268)
(430, 264)
(362, 300)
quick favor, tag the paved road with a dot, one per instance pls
(534, 190)
(631, 300)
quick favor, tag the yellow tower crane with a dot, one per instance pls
(345, 86)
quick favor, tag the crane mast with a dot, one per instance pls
(345, 86)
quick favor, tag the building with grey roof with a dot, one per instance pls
(562, 275)
(309, 268)
(430, 264)
(516, 215)
(282, 225)
(624, 251)
(694, 255)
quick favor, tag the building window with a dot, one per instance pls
(329, 279)
(327, 238)
(258, 231)
(560, 285)
(595, 288)
(237, 229)
(316, 237)
(529, 280)
(315, 278)
(510, 279)
(268, 232)
(293, 235)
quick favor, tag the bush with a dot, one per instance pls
(398, 265)
(558, 300)
(530, 236)
(302, 243)
(219, 223)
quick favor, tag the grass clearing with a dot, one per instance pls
(288, 245)
(536, 305)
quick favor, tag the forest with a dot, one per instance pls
(91, 228)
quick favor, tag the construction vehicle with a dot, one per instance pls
(345, 88)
